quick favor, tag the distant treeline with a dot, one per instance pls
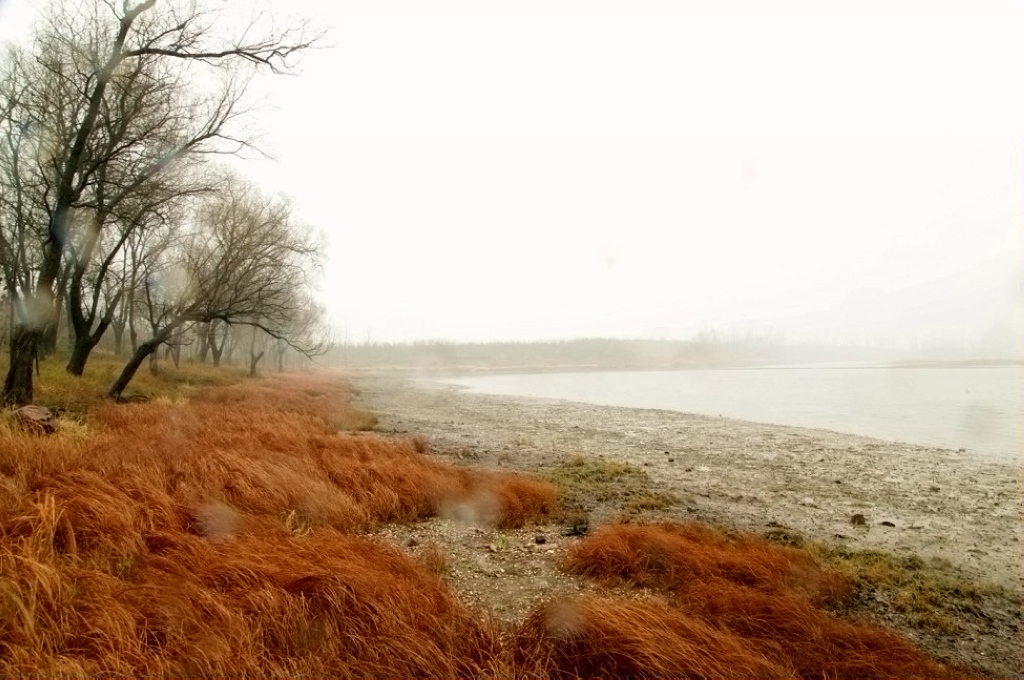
(593, 353)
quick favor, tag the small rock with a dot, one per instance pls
(807, 502)
(540, 538)
(412, 543)
(38, 419)
(578, 526)
(887, 523)
(671, 460)
(933, 489)
(858, 520)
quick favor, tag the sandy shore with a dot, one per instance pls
(925, 501)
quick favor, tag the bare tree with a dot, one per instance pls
(69, 101)
(244, 262)
(95, 251)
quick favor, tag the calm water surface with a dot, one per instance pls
(980, 409)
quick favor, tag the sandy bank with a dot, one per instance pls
(926, 501)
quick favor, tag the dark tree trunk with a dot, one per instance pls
(85, 341)
(128, 372)
(18, 384)
(79, 355)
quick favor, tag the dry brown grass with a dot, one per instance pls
(217, 534)
(724, 592)
(214, 536)
(616, 638)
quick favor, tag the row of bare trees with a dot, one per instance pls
(111, 213)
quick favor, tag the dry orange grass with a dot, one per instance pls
(617, 638)
(218, 536)
(755, 601)
(214, 537)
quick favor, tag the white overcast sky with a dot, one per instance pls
(827, 170)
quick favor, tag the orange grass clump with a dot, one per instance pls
(745, 590)
(213, 537)
(325, 604)
(594, 637)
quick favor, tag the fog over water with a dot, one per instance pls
(978, 409)
(836, 171)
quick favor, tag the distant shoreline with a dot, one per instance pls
(434, 372)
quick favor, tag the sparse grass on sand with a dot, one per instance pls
(215, 530)
(585, 481)
(929, 595)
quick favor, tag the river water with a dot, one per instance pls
(979, 409)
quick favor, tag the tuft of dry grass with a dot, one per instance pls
(670, 556)
(326, 604)
(767, 597)
(617, 638)
(434, 559)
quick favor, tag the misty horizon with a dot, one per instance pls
(524, 170)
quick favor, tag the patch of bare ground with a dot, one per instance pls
(931, 537)
(506, 574)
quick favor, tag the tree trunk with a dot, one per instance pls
(128, 372)
(217, 350)
(118, 337)
(18, 384)
(26, 337)
(48, 337)
(253, 360)
(79, 355)
(133, 335)
(85, 341)
(154, 364)
(204, 342)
